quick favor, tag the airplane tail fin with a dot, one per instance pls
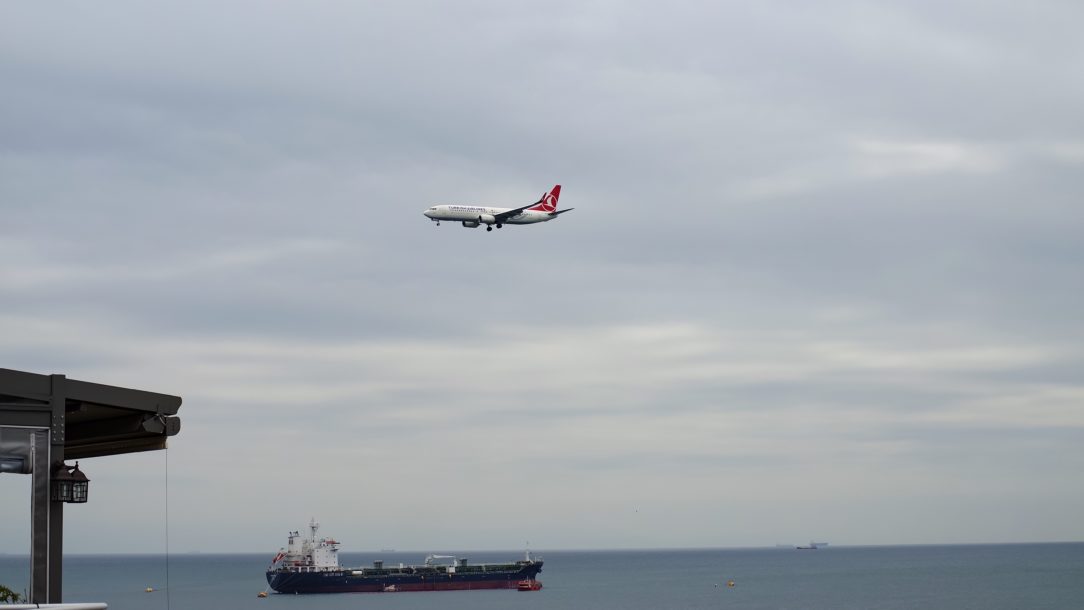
(548, 202)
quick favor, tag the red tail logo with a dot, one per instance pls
(548, 203)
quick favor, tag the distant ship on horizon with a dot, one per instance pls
(805, 547)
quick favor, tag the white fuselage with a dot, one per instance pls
(484, 215)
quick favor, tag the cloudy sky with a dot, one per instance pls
(824, 278)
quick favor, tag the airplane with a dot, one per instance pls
(475, 216)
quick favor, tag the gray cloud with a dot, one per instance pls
(830, 253)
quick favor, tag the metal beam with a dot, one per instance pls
(23, 415)
(25, 385)
(84, 391)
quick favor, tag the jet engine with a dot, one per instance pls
(470, 224)
(487, 219)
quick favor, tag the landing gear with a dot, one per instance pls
(489, 227)
(499, 225)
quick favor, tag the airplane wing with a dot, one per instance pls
(503, 216)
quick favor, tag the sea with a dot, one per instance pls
(1010, 576)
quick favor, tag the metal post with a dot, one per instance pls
(47, 535)
(39, 508)
(58, 401)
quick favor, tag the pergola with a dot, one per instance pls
(47, 419)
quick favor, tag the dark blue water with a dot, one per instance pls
(976, 576)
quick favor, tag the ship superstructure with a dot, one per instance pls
(308, 554)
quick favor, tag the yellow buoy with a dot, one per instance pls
(149, 589)
(730, 583)
(262, 594)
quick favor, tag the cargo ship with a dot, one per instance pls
(311, 565)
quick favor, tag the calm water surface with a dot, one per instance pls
(974, 576)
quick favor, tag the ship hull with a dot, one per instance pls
(346, 581)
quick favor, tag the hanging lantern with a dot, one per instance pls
(69, 484)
